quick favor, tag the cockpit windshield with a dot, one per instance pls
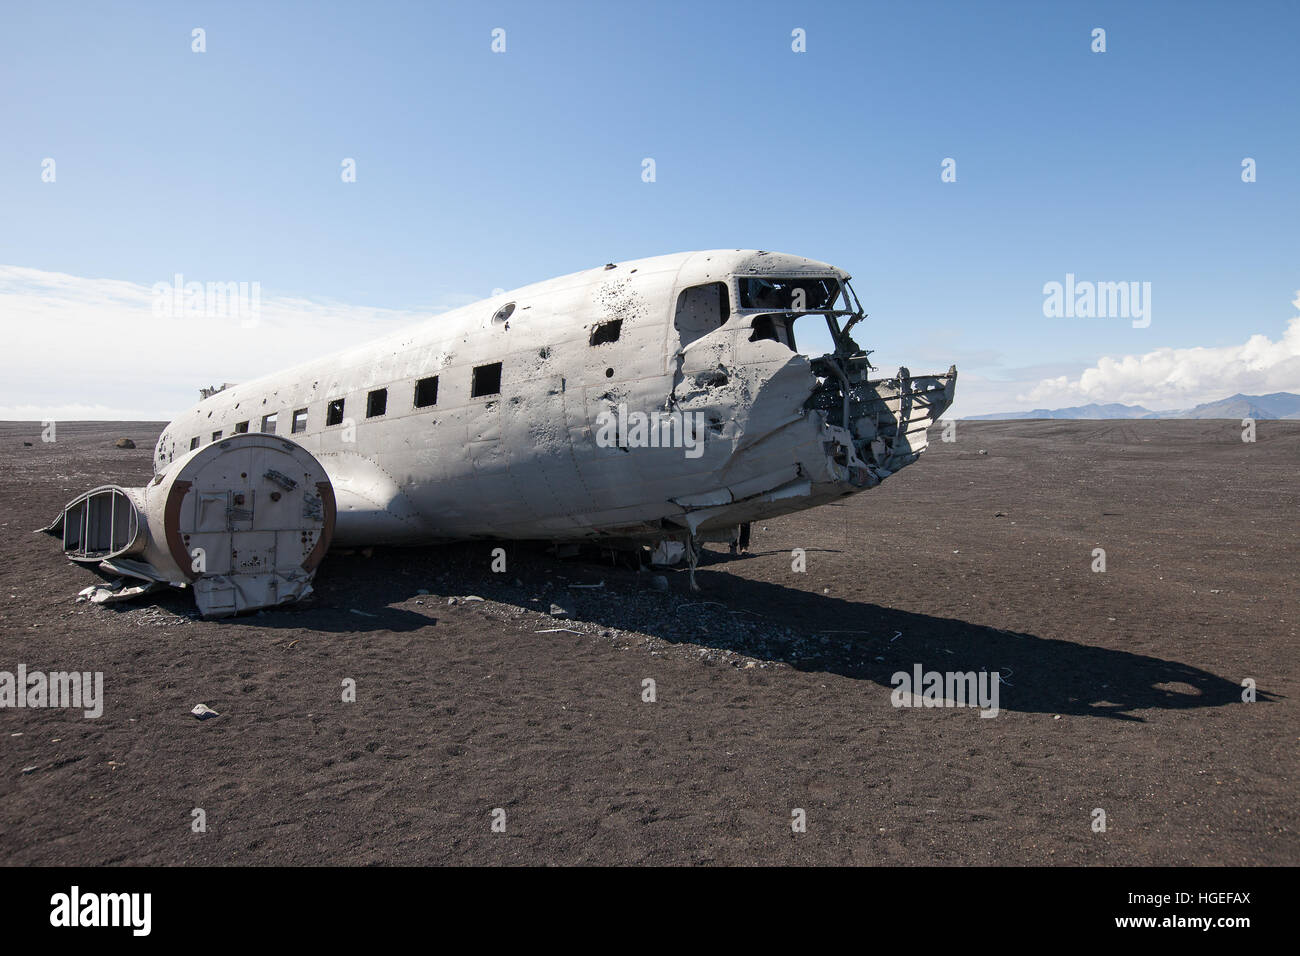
(794, 294)
(785, 300)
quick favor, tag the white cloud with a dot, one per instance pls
(79, 348)
(1177, 378)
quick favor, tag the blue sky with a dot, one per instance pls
(478, 170)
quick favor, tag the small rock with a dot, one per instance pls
(203, 712)
(451, 600)
(557, 611)
(983, 452)
(28, 769)
(124, 443)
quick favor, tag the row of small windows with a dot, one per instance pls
(486, 381)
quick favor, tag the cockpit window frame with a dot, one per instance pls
(847, 297)
(738, 296)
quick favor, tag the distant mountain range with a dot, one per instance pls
(1279, 405)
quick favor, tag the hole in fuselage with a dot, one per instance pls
(775, 327)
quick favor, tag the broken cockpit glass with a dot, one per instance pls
(791, 298)
(801, 294)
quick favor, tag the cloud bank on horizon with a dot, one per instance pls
(82, 348)
(1168, 378)
(102, 352)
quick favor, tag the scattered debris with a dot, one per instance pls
(600, 585)
(469, 598)
(362, 613)
(557, 611)
(115, 591)
(659, 582)
(203, 712)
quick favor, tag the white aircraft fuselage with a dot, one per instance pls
(638, 403)
(517, 417)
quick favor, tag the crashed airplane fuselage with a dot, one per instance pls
(639, 402)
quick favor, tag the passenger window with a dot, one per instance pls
(241, 428)
(701, 309)
(268, 423)
(300, 420)
(377, 402)
(334, 413)
(194, 442)
(487, 380)
(426, 392)
(216, 435)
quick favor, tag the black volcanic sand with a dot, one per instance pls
(773, 688)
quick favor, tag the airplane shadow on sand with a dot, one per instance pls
(811, 632)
